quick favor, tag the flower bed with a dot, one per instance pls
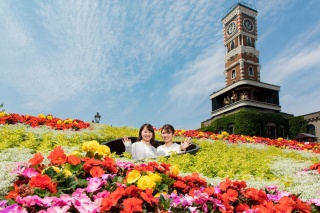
(47, 120)
(91, 181)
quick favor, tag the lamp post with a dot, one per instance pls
(96, 118)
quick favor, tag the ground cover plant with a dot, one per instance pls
(242, 173)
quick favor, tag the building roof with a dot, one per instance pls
(305, 136)
(240, 3)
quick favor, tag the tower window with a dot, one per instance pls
(232, 45)
(251, 71)
(233, 74)
(249, 43)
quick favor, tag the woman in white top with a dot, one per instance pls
(144, 147)
(169, 147)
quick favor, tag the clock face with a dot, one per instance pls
(231, 28)
(248, 24)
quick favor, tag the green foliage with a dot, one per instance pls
(297, 125)
(248, 122)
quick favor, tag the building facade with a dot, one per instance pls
(313, 120)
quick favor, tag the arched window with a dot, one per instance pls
(233, 74)
(231, 129)
(249, 43)
(281, 133)
(232, 45)
(251, 71)
(311, 129)
(271, 130)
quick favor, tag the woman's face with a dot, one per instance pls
(146, 134)
(167, 136)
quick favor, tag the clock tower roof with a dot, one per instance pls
(239, 3)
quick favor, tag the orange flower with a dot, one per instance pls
(132, 190)
(230, 195)
(117, 194)
(57, 156)
(96, 171)
(73, 160)
(147, 196)
(14, 193)
(179, 184)
(209, 190)
(282, 208)
(43, 182)
(225, 184)
(107, 203)
(242, 207)
(132, 205)
(36, 159)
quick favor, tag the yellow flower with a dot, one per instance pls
(41, 116)
(103, 150)
(2, 114)
(75, 153)
(67, 173)
(90, 146)
(68, 121)
(55, 168)
(59, 122)
(49, 117)
(155, 177)
(145, 182)
(160, 193)
(133, 176)
(174, 170)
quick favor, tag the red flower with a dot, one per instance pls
(43, 182)
(132, 205)
(73, 160)
(147, 196)
(36, 159)
(57, 156)
(96, 171)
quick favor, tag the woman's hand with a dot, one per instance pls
(126, 141)
(184, 145)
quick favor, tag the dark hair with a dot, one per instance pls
(150, 128)
(167, 128)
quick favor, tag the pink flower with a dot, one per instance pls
(315, 201)
(14, 209)
(20, 168)
(124, 165)
(29, 200)
(63, 200)
(94, 184)
(88, 208)
(57, 209)
(29, 172)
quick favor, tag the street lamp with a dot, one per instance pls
(97, 118)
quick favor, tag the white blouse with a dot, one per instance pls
(164, 150)
(140, 150)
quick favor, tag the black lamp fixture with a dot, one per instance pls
(97, 118)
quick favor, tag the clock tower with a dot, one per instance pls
(240, 36)
(243, 87)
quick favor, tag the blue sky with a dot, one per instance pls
(147, 61)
